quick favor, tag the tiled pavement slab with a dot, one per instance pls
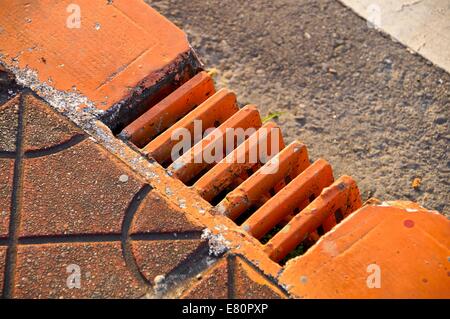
(73, 203)
(2, 265)
(8, 125)
(8, 86)
(213, 285)
(43, 271)
(38, 118)
(77, 222)
(250, 284)
(149, 218)
(161, 257)
(234, 277)
(6, 177)
(76, 190)
(129, 51)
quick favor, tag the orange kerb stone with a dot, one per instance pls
(399, 251)
(115, 48)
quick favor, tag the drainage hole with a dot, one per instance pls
(338, 216)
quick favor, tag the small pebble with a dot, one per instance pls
(123, 178)
(159, 279)
(332, 71)
(228, 75)
(416, 183)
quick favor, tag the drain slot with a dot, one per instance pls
(143, 98)
(276, 196)
(169, 110)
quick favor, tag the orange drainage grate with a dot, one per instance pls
(340, 199)
(295, 196)
(291, 161)
(239, 164)
(130, 53)
(169, 110)
(211, 113)
(251, 183)
(201, 156)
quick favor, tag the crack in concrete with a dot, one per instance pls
(407, 5)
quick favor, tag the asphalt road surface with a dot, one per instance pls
(357, 98)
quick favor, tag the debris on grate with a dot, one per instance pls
(218, 245)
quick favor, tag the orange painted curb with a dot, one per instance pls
(399, 250)
(164, 114)
(117, 54)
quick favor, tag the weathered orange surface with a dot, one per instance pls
(169, 110)
(342, 195)
(210, 113)
(238, 162)
(410, 245)
(309, 183)
(291, 161)
(118, 46)
(198, 158)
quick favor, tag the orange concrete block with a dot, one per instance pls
(291, 161)
(211, 113)
(169, 110)
(234, 168)
(198, 158)
(108, 51)
(308, 184)
(398, 250)
(342, 197)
